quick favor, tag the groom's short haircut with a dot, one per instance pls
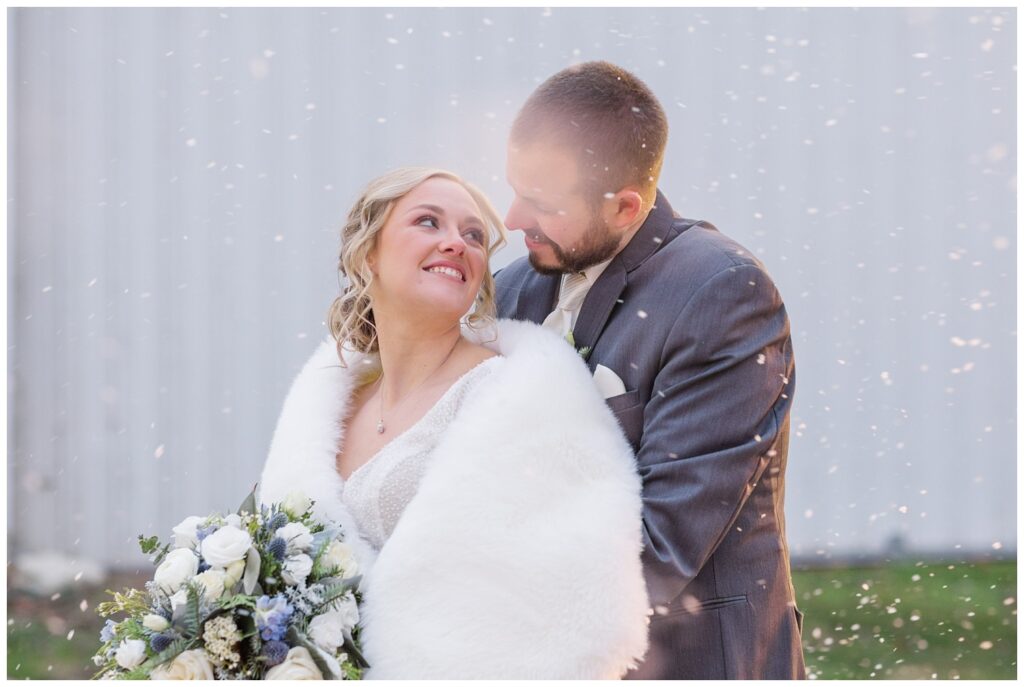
(608, 117)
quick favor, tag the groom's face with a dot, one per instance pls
(565, 231)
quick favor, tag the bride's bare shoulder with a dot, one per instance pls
(469, 357)
(476, 354)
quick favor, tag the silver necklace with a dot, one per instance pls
(380, 422)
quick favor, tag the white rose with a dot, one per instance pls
(234, 520)
(233, 573)
(213, 583)
(347, 608)
(131, 653)
(328, 631)
(338, 555)
(225, 546)
(296, 569)
(298, 537)
(176, 569)
(185, 532)
(188, 665)
(154, 622)
(296, 503)
(298, 665)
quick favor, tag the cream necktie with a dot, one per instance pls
(574, 289)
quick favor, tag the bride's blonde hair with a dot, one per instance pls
(350, 317)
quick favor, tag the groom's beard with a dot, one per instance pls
(597, 245)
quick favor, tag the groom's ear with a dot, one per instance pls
(624, 208)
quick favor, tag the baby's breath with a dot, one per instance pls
(221, 637)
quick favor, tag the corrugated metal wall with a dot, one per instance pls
(177, 176)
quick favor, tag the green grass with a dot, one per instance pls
(904, 620)
(33, 652)
(54, 637)
(910, 621)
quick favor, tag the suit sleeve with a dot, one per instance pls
(717, 417)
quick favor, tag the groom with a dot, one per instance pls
(689, 327)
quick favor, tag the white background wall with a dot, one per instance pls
(176, 179)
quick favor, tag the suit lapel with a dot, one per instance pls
(537, 297)
(607, 291)
(598, 305)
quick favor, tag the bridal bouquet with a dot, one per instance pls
(267, 593)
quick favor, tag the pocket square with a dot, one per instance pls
(608, 383)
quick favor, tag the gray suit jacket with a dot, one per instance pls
(695, 328)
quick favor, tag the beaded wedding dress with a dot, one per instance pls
(377, 492)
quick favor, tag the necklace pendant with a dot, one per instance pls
(380, 426)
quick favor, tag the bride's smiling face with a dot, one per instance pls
(431, 253)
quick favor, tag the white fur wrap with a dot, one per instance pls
(519, 556)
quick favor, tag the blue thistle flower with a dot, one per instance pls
(277, 548)
(275, 652)
(279, 520)
(159, 642)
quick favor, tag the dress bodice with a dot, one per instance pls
(377, 493)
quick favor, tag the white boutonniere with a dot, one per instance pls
(584, 351)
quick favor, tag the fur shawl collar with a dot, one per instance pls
(519, 556)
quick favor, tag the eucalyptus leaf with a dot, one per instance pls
(148, 544)
(249, 505)
(336, 580)
(330, 581)
(324, 537)
(354, 654)
(252, 570)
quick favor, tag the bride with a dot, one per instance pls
(493, 500)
